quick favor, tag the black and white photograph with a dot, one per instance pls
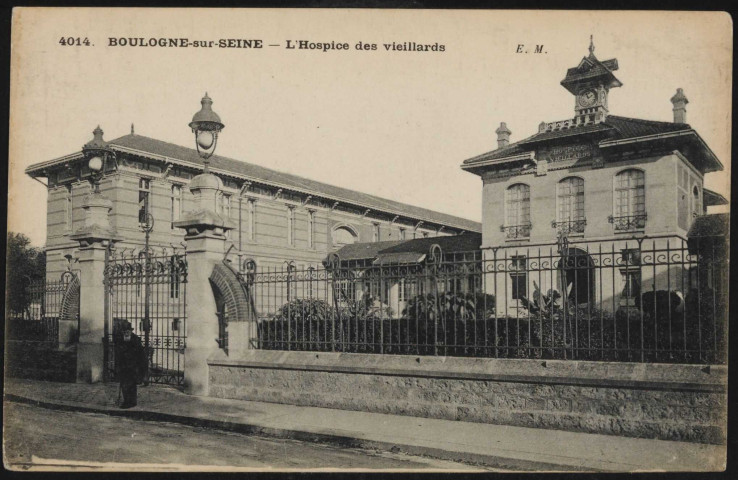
(356, 240)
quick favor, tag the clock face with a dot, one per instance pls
(587, 98)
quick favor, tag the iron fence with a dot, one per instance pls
(148, 291)
(42, 306)
(648, 299)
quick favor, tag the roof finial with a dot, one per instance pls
(591, 45)
(132, 132)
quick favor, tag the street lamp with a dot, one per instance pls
(206, 125)
(97, 152)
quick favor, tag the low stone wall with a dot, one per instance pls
(670, 402)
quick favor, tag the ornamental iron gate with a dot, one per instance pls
(148, 289)
(44, 304)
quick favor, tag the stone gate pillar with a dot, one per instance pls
(94, 238)
(205, 237)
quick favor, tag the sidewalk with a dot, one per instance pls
(494, 445)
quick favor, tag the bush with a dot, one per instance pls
(466, 325)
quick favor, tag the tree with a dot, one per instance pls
(24, 265)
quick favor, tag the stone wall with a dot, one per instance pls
(670, 402)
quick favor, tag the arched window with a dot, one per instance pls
(517, 211)
(343, 236)
(630, 200)
(570, 205)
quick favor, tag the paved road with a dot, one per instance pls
(38, 436)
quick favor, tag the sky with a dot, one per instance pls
(396, 124)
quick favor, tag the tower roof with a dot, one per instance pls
(591, 70)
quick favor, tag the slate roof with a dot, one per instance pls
(628, 127)
(451, 243)
(363, 251)
(409, 251)
(590, 67)
(713, 198)
(568, 132)
(268, 176)
(613, 128)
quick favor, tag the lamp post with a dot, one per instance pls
(147, 228)
(206, 126)
(97, 152)
(95, 233)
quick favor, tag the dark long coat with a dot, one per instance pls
(130, 359)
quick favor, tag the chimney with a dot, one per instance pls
(680, 106)
(503, 135)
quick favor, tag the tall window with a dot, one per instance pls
(696, 203)
(375, 232)
(570, 199)
(252, 219)
(144, 189)
(630, 200)
(630, 269)
(176, 203)
(225, 205)
(311, 228)
(290, 225)
(69, 216)
(517, 211)
(402, 234)
(519, 277)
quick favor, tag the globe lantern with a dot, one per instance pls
(97, 152)
(206, 125)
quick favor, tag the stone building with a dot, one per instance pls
(277, 216)
(603, 183)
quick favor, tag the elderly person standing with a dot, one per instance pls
(130, 364)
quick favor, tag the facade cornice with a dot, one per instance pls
(521, 157)
(688, 133)
(41, 166)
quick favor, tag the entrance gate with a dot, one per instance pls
(149, 290)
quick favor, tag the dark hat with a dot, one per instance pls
(126, 326)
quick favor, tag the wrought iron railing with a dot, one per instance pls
(41, 307)
(655, 299)
(516, 231)
(148, 290)
(628, 222)
(566, 227)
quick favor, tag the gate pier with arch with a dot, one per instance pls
(168, 295)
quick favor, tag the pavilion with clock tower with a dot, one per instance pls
(592, 183)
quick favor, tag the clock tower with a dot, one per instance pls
(590, 83)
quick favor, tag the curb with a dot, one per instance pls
(325, 438)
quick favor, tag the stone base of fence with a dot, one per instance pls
(663, 401)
